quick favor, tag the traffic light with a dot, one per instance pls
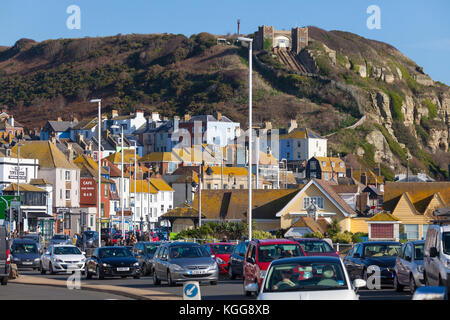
(15, 214)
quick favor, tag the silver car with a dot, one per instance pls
(409, 266)
(183, 261)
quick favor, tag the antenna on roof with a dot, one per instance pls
(238, 25)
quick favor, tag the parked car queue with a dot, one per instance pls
(172, 262)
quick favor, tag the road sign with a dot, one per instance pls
(191, 291)
(15, 204)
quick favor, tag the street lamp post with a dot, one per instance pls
(19, 216)
(250, 125)
(99, 206)
(122, 184)
(135, 170)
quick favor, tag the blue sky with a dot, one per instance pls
(420, 29)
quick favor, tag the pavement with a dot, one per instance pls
(133, 293)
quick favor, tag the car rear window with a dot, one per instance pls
(268, 253)
(223, 248)
(316, 246)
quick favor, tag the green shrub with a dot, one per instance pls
(316, 234)
(432, 109)
(342, 238)
(267, 45)
(259, 234)
(396, 106)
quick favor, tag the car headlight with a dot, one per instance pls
(220, 261)
(16, 259)
(106, 265)
(136, 264)
(176, 267)
(420, 269)
(263, 273)
(37, 259)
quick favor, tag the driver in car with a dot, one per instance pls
(285, 280)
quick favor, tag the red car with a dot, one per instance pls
(259, 255)
(221, 251)
(317, 247)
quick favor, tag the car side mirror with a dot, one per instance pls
(84, 253)
(356, 255)
(433, 252)
(252, 261)
(359, 283)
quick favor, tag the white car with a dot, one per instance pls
(62, 258)
(307, 278)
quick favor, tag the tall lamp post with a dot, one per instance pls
(19, 215)
(122, 192)
(135, 172)
(99, 191)
(250, 125)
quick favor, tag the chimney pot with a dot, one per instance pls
(187, 117)
(114, 113)
(59, 119)
(292, 125)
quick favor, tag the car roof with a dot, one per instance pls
(63, 245)
(219, 243)
(306, 258)
(171, 244)
(308, 239)
(149, 242)
(275, 241)
(380, 242)
(20, 240)
(416, 242)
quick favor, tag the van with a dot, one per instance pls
(5, 256)
(436, 260)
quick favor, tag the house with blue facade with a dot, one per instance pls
(57, 129)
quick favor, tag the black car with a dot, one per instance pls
(143, 252)
(25, 254)
(112, 261)
(5, 262)
(381, 254)
(236, 262)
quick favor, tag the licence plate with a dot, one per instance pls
(197, 272)
(25, 262)
(123, 269)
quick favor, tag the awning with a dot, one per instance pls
(38, 214)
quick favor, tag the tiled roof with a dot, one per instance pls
(419, 193)
(328, 186)
(128, 156)
(301, 133)
(61, 126)
(353, 188)
(143, 186)
(383, 216)
(85, 124)
(328, 164)
(23, 187)
(47, 153)
(160, 184)
(88, 167)
(310, 223)
(160, 157)
(372, 178)
(38, 182)
(233, 204)
(267, 159)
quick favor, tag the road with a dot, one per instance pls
(14, 291)
(225, 289)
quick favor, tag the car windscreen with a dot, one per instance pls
(66, 250)
(223, 248)
(446, 242)
(34, 238)
(268, 253)
(187, 252)
(381, 250)
(24, 248)
(114, 253)
(316, 246)
(418, 251)
(305, 276)
(151, 248)
(60, 237)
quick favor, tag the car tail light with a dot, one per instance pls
(337, 252)
(8, 257)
